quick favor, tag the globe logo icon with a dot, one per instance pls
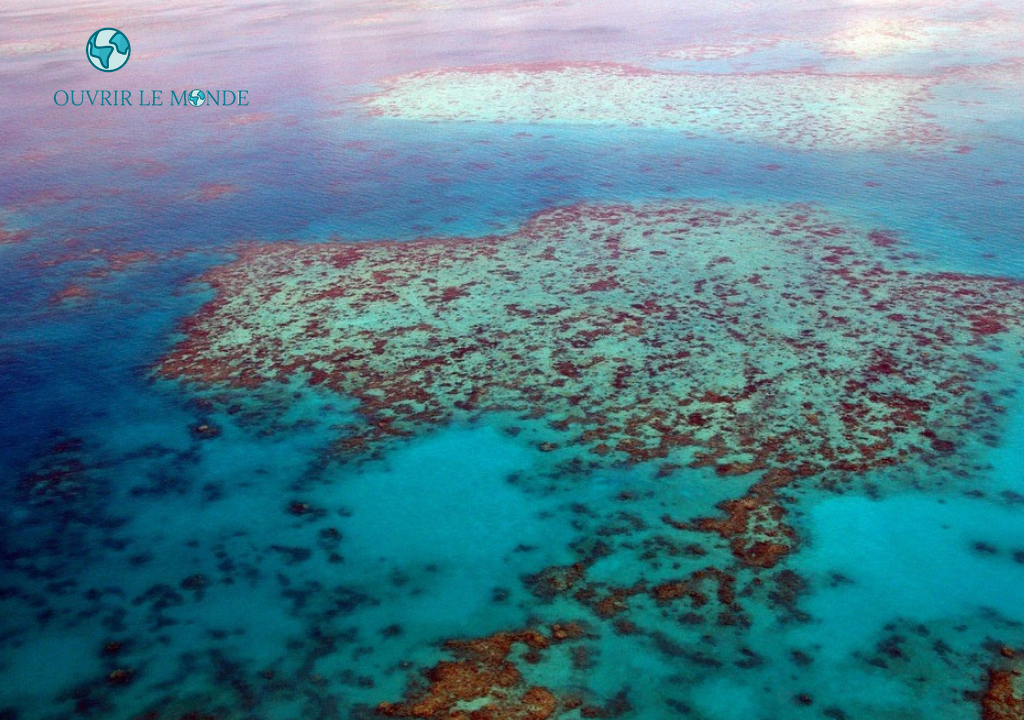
(108, 49)
(196, 98)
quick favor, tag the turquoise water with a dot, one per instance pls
(257, 572)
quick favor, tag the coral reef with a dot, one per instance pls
(1003, 698)
(800, 108)
(771, 342)
(482, 683)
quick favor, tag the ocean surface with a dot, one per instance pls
(239, 480)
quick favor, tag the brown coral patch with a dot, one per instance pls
(484, 676)
(699, 587)
(1003, 698)
(70, 293)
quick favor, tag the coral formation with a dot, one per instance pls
(776, 343)
(1003, 698)
(483, 682)
(798, 108)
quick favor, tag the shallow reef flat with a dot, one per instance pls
(782, 354)
(798, 108)
(873, 36)
(748, 339)
(869, 36)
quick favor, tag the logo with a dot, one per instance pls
(108, 49)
